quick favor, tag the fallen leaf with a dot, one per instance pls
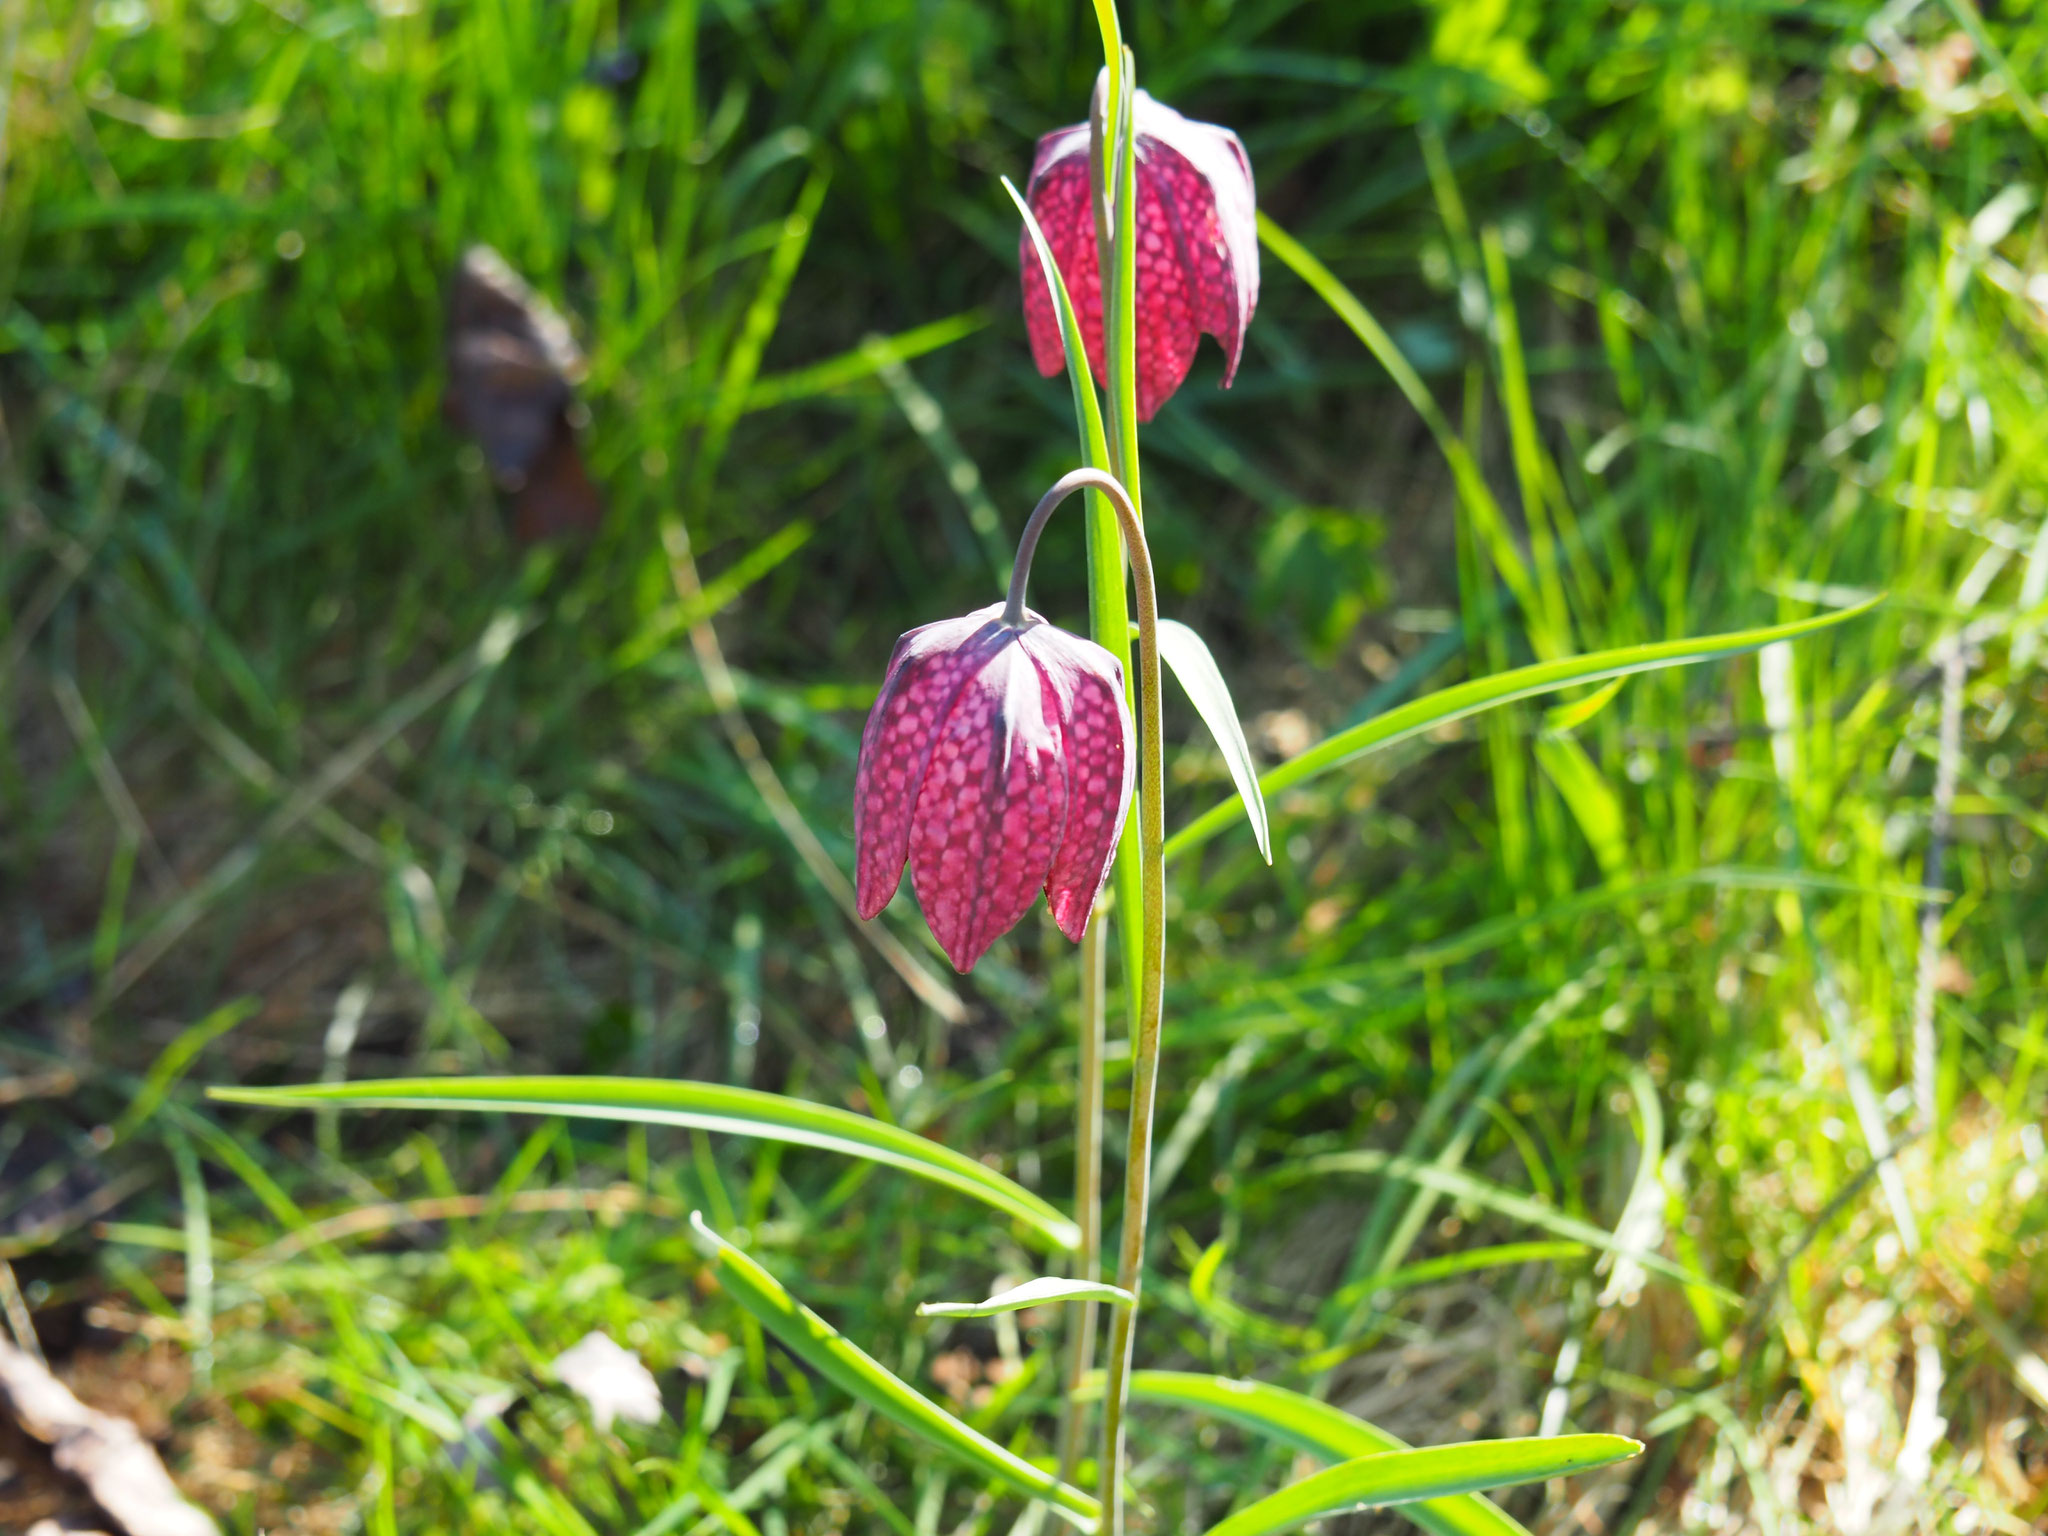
(611, 1379)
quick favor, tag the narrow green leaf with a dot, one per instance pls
(1398, 1477)
(1503, 688)
(1460, 1185)
(1465, 1261)
(718, 594)
(1187, 656)
(1108, 614)
(1087, 408)
(1112, 45)
(1032, 1293)
(743, 358)
(1116, 247)
(822, 1347)
(1591, 799)
(177, 1058)
(1488, 520)
(700, 1106)
(857, 364)
(1569, 717)
(1315, 1427)
(1108, 617)
(1120, 290)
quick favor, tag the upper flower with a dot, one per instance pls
(998, 760)
(1197, 238)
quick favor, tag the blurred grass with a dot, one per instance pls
(1735, 311)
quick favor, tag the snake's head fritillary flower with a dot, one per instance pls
(997, 761)
(1198, 246)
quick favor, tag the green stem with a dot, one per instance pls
(1145, 941)
(1081, 1316)
(1145, 1043)
(1111, 160)
(1152, 948)
(1116, 225)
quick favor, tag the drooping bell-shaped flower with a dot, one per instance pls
(1197, 246)
(998, 761)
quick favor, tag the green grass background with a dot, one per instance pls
(1740, 310)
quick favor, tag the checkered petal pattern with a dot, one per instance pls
(1197, 248)
(996, 762)
(1099, 748)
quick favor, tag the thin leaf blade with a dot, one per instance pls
(177, 1058)
(1569, 717)
(1459, 1185)
(1481, 693)
(1399, 1477)
(821, 1346)
(1108, 615)
(1044, 1291)
(1488, 520)
(858, 364)
(698, 1106)
(1466, 1260)
(1087, 408)
(1187, 656)
(1319, 1429)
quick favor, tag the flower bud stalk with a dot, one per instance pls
(1151, 947)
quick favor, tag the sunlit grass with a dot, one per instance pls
(1742, 322)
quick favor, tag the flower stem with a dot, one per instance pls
(1112, 197)
(1081, 1316)
(1113, 183)
(1111, 161)
(1152, 946)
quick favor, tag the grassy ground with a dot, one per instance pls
(307, 769)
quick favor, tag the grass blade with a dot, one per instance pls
(819, 1345)
(306, 800)
(1186, 654)
(1108, 616)
(858, 364)
(1488, 521)
(1398, 1477)
(1462, 1186)
(1503, 688)
(743, 360)
(1317, 1428)
(1465, 1262)
(1043, 1291)
(699, 1106)
(716, 595)
(177, 1058)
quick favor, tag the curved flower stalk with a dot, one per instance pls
(997, 761)
(953, 765)
(1197, 250)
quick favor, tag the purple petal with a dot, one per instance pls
(991, 808)
(1175, 212)
(1100, 751)
(1222, 227)
(926, 673)
(1197, 256)
(1058, 194)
